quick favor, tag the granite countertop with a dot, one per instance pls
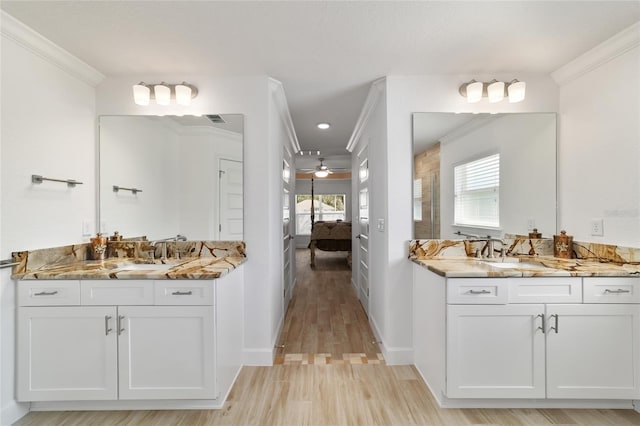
(534, 266)
(191, 268)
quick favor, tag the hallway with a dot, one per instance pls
(325, 324)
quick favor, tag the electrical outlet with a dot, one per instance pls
(381, 225)
(87, 228)
(596, 227)
(103, 227)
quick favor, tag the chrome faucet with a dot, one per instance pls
(490, 241)
(164, 241)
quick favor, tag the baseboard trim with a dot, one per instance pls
(170, 404)
(537, 403)
(392, 355)
(13, 412)
(259, 357)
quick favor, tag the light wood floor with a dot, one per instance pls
(335, 393)
(324, 317)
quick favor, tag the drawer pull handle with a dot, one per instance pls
(107, 330)
(120, 328)
(479, 292)
(182, 293)
(46, 293)
(556, 325)
(543, 323)
(618, 291)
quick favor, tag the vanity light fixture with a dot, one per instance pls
(309, 153)
(323, 126)
(516, 91)
(495, 90)
(163, 93)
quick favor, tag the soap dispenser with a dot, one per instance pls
(563, 245)
(98, 247)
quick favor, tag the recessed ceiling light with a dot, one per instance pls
(323, 126)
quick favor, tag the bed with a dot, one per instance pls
(330, 236)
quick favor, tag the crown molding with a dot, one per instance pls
(609, 49)
(280, 100)
(375, 91)
(42, 47)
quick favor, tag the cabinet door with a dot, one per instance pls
(166, 352)
(595, 351)
(495, 351)
(66, 353)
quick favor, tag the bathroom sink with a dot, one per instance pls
(515, 265)
(147, 266)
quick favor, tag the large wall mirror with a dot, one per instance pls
(484, 174)
(163, 176)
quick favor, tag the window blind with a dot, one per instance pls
(477, 192)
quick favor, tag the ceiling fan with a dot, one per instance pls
(321, 170)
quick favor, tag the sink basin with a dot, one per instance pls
(515, 265)
(147, 266)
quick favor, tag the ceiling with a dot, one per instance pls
(326, 53)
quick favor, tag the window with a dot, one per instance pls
(417, 200)
(477, 192)
(326, 207)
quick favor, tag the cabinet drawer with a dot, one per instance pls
(117, 292)
(48, 293)
(484, 291)
(545, 290)
(612, 290)
(184, 293)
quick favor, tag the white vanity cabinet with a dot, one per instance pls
(65, 353)
(129, 340)
(535, 338)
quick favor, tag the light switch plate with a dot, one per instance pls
(381, 225)
(87, 228)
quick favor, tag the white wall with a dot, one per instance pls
(527, 147)
(406, 95)
(249, 96)
(48, 128)
(324, 186)
(599, 155)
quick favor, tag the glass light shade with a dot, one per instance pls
(141, 94)
(323, 126)
(183, 95)
(516, 91)
(474, 92)
(496, 91)
(321, 173)
(162, 94)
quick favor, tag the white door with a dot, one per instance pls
(288, 248)
(166, 352)
(593, 351)
(495, 351)
(230, 200)
(362, 228)
(67, 353)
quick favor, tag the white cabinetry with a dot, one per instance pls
(495, 351)
(66, 353)
(508, 338)
(593, 351)
(112, 350)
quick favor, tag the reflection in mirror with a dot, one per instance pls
(174, 175)
(454, 192)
